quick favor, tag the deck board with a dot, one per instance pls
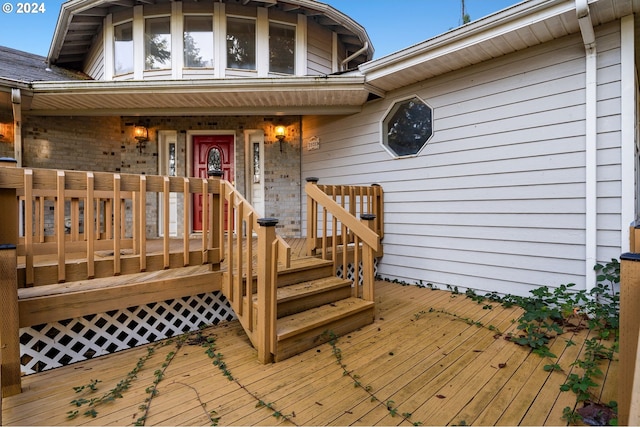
(436, 366)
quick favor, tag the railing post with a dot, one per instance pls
(312, 220)
(368, 278)
(217, 218)
(9, 321)
(378, 209)
(629, 370)
(267, 274)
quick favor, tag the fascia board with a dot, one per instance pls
(502, 23)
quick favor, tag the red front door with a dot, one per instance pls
(211, 152)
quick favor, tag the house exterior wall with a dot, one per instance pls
(496, 200)
(107, 144)
(94, 64)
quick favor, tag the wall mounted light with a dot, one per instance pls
(280, 132)
(141, 134)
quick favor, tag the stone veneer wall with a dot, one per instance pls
(107, 144)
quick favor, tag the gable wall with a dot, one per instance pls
(496, 201)
(319, 42)
(94, 64)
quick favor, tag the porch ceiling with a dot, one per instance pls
(313, 95)
(515, 28)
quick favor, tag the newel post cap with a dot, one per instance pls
(268, 222)
(312, 179)
(367, 216)
(8, 161)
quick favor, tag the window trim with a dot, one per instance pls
(384, 133)
(115, 74)
(295, 44)
(144, 46)
(213, 41)
(255, 35)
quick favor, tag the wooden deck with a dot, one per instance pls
(413, 359)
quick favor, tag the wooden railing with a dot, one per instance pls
(59, 226)
(334, 232)
(250, 274)
(68, 215)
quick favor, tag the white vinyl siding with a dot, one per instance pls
(496, 201)
(319, 42)
(94, 64)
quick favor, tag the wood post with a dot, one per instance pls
(9, 321)
(368, 274)
(267, 274)
(629, 368)
(312, 220)
(216, 231)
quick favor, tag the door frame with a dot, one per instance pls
(189, 154)
(259, 135)
(166, 137)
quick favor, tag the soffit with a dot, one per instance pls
(328, 95)
(518, 27)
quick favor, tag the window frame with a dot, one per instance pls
(295, 46)
(384, 132)
(115, 50)
(170, 38)
(185, 16)
(254, 20)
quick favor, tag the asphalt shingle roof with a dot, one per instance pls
(28, 67)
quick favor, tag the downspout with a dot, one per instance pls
(591, 182)
(354, 55)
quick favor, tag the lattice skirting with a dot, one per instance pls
(57, 344)
(351, 269)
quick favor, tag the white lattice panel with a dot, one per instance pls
(350, 271)
(57, 344)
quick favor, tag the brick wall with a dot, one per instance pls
(107, 144)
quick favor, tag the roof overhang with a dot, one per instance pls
(273, 96)
(515, 28)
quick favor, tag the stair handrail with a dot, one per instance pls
(238, 285)
(346, 231)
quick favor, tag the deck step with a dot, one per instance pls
(303, 270)
(303, 296)
(302, 331)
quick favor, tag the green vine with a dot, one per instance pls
(158, 374)
(117, 392)
(209, 344)
(466, 320)
(389, 405)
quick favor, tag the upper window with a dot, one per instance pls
(282, 48)
(241, 43)
(198, 41)
(157, 48)
(123, 48)
(407, 127)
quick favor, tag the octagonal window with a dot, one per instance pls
(407, 127)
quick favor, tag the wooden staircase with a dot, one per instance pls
(288, 306)
(311, 300)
